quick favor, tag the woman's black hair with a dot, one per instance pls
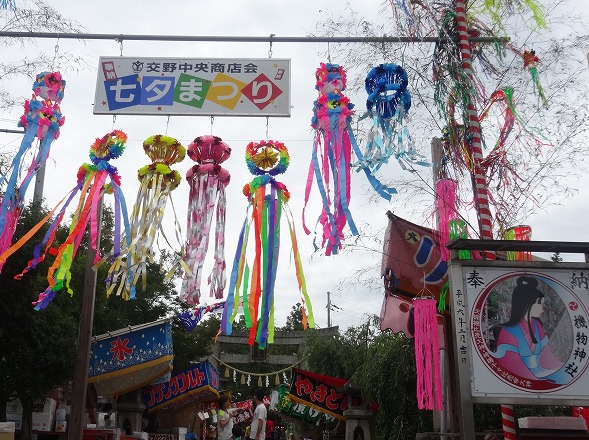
(524, 296)
(223, 398)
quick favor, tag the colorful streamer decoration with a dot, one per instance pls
(191, 318)
(207, 180)
(267, 202)
(158, 181)
(531, 63)
(94, 180)
(427, 354)
(41, 120)
(520, 233)
(387, 104)
(9, 5)
(332, 150)
(446, 190)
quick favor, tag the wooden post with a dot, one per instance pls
(78, 409)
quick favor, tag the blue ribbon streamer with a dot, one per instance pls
(383, 190)
(228, 310)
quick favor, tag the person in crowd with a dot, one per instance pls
(237, 432)
(225, 418)
(258, 425)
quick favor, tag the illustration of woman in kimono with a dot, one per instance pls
(521, 343)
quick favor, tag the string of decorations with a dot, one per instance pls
(276, 373)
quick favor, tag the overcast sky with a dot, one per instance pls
(254, 18)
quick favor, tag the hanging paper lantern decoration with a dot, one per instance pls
(41, 120)
(427, 356)
(387, 104)
(267, 202)
(157, 180)
(332, 150)
(94, 180)
(207, 181)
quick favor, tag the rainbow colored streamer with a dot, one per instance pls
(94, 180)
(267, 203)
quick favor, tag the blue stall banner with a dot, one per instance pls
(128, 359)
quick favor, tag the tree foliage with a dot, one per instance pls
(294, 320)
(29, 338)
(48, 338)
(383, 365)
(32, 16)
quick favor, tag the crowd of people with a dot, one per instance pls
(261, 427)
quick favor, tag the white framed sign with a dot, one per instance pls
(193, 86)
(525, 331)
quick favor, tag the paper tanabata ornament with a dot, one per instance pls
(387, 104)
(41, 120)
(158, 180)
(331, 156)
(94, 180)
(267, 202)
(207, 180)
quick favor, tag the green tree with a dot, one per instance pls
(45, 339)
(48, 338)
(383, 365)
(294, 321)
(33, 16)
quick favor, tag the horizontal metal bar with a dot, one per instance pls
(240, 39)
(567, 247)
(7, 130)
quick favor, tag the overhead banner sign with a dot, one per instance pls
(523, 331)
(319, 392)
(197, 382)
(193, 86)
(124, 360)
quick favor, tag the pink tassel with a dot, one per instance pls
(446, 209)
(427, 355)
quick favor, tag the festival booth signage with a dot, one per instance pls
(319, 392)
(195, 383)
(193, 86)
(521, 331)
(307, 414)
(128, 359)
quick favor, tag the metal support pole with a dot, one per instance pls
(78, 409)
(234, 39)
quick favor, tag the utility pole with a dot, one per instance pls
(78, 409)
(328, 309)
